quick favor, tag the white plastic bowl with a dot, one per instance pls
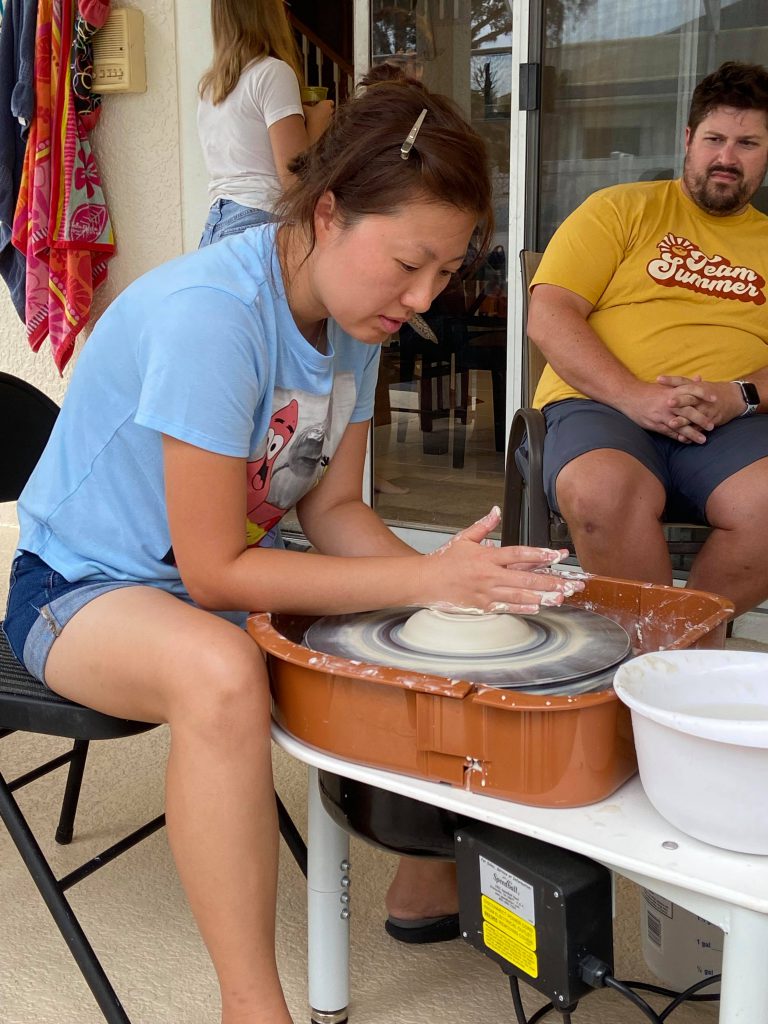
(700, 720)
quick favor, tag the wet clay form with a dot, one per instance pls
(432, 631)
(541, 725)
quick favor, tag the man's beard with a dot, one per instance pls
(718, 197)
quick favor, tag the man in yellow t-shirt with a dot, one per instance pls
(650, 307)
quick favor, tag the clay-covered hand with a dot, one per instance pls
(719, 401)
(469, 575)
(317, 117)
(648, 405)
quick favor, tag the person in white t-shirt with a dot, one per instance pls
(250, 119)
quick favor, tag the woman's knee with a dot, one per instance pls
(229, 689)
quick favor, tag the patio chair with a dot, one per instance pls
(27, 417)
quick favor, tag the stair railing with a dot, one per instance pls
(321, 62)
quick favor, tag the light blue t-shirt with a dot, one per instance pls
(205, 349)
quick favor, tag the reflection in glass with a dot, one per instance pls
(439, 421)
(617, 84)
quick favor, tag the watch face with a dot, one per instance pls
(750, 392)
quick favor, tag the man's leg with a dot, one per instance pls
(734, 559)
(613, 506)
(606, 475)
(423, 887)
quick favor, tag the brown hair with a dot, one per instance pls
(733, 84)
(358, 157)
(244, 31)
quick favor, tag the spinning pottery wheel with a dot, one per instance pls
(531, 718)
(566, 650)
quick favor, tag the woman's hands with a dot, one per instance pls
(470, 574)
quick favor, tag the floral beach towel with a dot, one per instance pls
(62, 224)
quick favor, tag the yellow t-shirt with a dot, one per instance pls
(674, 289)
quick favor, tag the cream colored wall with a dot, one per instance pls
(146, 148)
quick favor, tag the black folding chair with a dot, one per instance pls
(27, 417)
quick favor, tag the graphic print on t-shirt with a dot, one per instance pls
(304, 432)
(681, 264)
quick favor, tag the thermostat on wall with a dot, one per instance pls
(118, 53)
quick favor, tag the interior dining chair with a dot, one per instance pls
(27, 417)
(527, 517)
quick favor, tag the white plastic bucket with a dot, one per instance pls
(700, 722)
(679, 947)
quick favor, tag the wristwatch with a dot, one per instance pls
(750, 395)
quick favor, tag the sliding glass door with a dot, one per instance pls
(438, 439)
(617, 79)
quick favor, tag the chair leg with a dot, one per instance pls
(498, 390)
(291, 835)
(514, 514)
(461, 415)
(60, 910)
(66, 825)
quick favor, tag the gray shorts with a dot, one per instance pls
(689, 473)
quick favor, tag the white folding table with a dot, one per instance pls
(623, 832)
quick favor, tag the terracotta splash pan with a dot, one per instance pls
(534, 749)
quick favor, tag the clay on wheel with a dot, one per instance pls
(570, 649)
(438, 632)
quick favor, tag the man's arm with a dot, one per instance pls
(558, 325)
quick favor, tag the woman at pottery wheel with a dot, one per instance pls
(215, 393)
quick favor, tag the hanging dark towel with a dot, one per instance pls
(17, 108)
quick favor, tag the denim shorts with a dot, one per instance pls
(688, 472)
(226, 217)
(40, 604)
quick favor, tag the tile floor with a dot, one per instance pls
(422, 464)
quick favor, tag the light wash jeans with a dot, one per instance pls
(226, 217)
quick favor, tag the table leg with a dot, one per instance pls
(744, 984)
(744, 987)
(328, 912)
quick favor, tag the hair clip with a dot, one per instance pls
(422, 328)
(410, 138)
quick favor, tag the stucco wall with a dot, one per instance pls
(146, 150)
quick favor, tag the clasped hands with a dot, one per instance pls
(683, 408)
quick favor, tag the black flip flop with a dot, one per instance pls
(423, 930)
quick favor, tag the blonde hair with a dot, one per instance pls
(244, 31)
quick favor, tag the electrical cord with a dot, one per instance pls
(689, 993)
(517, 1002)
(596, 972)
(611, 982)
(542, 1012)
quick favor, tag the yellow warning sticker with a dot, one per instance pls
(506, 921)
(511, 950)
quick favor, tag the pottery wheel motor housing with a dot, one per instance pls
(516, 707)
